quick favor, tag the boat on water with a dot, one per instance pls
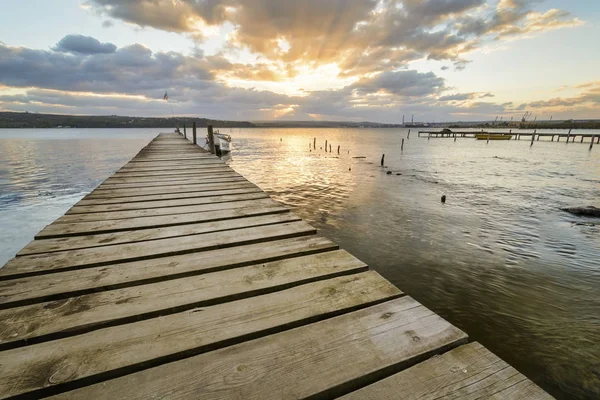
(492, 136)
(222, 143)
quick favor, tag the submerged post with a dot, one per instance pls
(194, 132)
(408, 136)
(338, 149)
(532, 137)
(211, 139)
(592, 142)
(382, 159)
(402, 145)
(184, 132)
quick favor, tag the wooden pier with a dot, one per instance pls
(177, 278)
(516, 135)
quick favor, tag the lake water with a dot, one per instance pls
(499, 259)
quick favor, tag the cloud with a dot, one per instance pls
(360, 36)
(108, 24)
(78, 44)
(403, 83)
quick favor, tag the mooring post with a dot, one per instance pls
(338, 149)
(408, 136)
(330, 147)
(569, 135)
(402, 145)
(382, 159)
(325, 145)
(532, 137)
(211, 139)
(184, 132)
(581, 138)
(592, 142)
(315, 143)
(194, 132)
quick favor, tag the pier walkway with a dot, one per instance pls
(177, 278)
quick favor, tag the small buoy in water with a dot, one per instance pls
(389, 172)
(443, 198)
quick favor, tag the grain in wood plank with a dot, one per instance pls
(75, 315)
(324, 359)
(174, 182)
(168, 174)
(134, 169)
(117, 180)
(97, 256)
(155, 212)
(467, 372)
(96, 227)
(165, 203)
(114, 193)
(36, 289)
(166, 164)
(169, 196)
(120, 349)
(109, 239)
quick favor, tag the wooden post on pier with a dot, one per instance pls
(382, 159)
(402, 145)
(315, 143)
(408, 136)
(325, 146)
(184, 132)
(329, 148)
(194, 132)
(568, 135)
(211, 139)
(581, 138)
(592, 142)
(338, 149)
(532, 137)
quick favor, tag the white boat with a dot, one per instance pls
(222, 143)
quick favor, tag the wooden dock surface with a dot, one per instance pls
(177, 278)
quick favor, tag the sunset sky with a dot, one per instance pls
(441, 60)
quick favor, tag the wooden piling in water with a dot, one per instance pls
(382, 159)
(338, 149)
(325, 146)
(184, 132)
(408, 136)
(211, 139)
(194, 132)
(402, 145)
(592, 142)
(532, 137)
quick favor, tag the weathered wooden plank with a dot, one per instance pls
(174, 174)
(140, 205)
(96, 227)
(112, 193)
(324, 359)
(166, 164)
(155, 212)
(169, 196)
(48, 287)
(109, 239)
(97, 256)
(232, 177)
(163, 179)
(133, 169)
(75, 315)
(467, 372)
(122, 349)
(171, 157)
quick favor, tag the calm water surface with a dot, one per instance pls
(499, 259)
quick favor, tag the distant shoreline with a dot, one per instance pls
(25, 120)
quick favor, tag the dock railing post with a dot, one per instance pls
(592, 142)
(194, 132)
(211, 139)
(184, 132)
